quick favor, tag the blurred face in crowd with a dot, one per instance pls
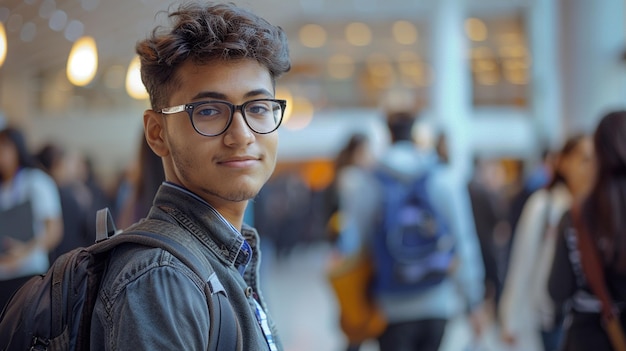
(363, 155)
(578, 167)
(8, 159)
(228, 169)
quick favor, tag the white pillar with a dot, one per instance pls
(451, 87)
(545, 88)
(594, 77)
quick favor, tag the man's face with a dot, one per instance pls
(233, 166)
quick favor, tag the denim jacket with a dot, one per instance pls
(149, 300)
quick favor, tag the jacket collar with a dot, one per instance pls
(205, 223)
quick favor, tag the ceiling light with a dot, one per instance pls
(285, 94)
(358, 34)
(404, 32)
(512, 51)
(481, 52)
(475, 29)
(134, 85)
(379, 65)
(3, 44)
(312, 35)
(485, 65)
(412, 69)
(488, 78)
(82, 63)
(518, 76)
(302, 114)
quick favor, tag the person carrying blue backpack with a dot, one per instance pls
(423, 243)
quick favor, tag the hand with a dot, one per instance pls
(478, 320)
(15, 252)
(508, 337)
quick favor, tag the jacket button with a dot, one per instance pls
(248, 291)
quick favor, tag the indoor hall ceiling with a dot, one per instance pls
(117, 25)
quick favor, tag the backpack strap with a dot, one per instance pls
(224, 329)
(593, 270)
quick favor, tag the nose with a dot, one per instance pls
(238, 133)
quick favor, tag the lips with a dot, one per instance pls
(239, 161)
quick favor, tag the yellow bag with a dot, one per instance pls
(360, 316)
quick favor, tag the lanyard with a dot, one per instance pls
(244, 257)
(262, 319)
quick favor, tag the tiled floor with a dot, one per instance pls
(304, 309)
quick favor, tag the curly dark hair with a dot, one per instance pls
(205, 32)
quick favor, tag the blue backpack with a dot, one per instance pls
(412, 248)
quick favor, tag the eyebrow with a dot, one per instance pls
(221, 96)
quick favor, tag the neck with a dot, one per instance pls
(234, 214)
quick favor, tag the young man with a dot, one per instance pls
(213, 121)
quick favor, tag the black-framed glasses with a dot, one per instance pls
(212, 118)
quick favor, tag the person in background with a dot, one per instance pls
(352, 174)
(526, 310)
(602, 217)
(23, 184)
(417, 321)
(76, 229)
(211, 76)
(85, 175)
(529, 181)
(143, 181)
(489, 209)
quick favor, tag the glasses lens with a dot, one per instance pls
(263, 116)
(211, 118)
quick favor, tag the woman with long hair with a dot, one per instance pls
(602, 218)
(526, 311)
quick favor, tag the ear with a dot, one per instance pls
(154, 129)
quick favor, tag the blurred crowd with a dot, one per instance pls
(56, 192)
(535, 296)
(520, 211)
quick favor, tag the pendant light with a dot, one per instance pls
(82, 63)
(134, 85)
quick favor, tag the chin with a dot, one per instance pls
(243, 193)
(240, 197)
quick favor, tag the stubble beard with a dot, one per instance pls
(185, 170)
